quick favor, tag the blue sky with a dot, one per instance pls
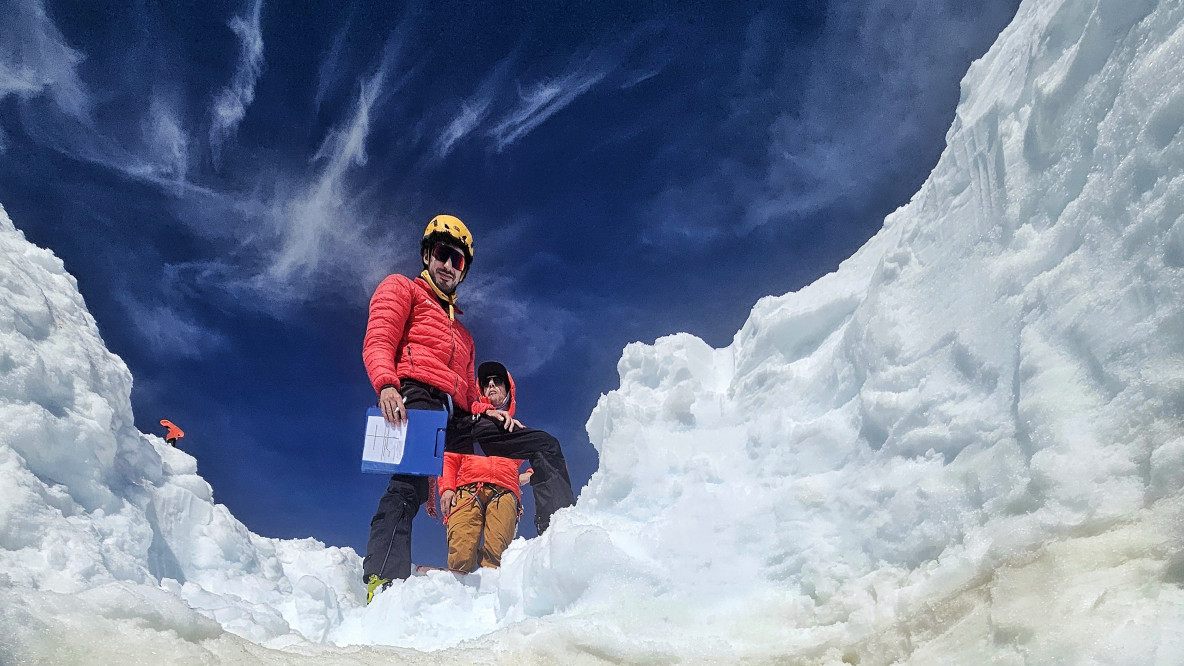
(229, 181)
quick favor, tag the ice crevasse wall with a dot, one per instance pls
(971, 435)
(104, 520)
(968, 440)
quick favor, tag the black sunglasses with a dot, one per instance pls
(497, 381)
(448, 254)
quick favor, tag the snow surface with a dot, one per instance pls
(964, 446)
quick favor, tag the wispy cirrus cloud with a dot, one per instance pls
(285, 236)
(166, 140)
(639, 77)
(307, 236)
(58, 111)
(475, 109)
(473, 112)
(317, 232)
(35, 59)
(520, 331)
(323, 221)
(329, 71)
(169, 331)
(230, 104)
(825, 126)
(316, 222)
(540, 101)
(831, 149)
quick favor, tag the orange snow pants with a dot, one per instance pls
(483, 523)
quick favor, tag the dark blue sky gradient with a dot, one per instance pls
(228, 191)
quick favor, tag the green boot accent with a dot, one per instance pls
(373, 584)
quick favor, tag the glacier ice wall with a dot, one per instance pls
(999, 371)
(1007, 348)
(89, 506)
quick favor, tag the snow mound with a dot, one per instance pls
(91, 507)
(995, 382)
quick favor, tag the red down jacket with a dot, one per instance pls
(461, 469)
(409, 336)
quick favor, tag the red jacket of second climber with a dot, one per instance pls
(461, 470)
(410, 336)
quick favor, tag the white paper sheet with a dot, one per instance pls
(384, 443)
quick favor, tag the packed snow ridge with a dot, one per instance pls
(966, 444)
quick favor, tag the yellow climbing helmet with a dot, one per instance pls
(451, 227)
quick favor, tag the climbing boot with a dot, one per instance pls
(374, 585)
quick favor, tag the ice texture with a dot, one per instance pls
(966, 445)
(117, 521)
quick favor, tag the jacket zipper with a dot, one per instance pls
(452, 353)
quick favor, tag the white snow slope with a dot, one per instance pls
(964, 446)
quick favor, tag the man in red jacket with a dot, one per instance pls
(418, 356)
(480, 497)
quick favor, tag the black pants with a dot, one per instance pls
(388, 552)
(550, 481)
